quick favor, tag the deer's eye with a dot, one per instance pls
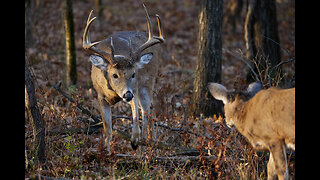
(115, 76)
(133, 75)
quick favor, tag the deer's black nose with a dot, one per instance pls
(128, 96)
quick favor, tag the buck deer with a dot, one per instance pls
(124, 67)
(265, 117)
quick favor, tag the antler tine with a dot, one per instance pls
(150, 30)
(160, 29)
(87, 45)
(85, 38)
(90, 16)
(152, 40)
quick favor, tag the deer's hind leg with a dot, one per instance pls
(271, 168)
(279, 157)
(145, 104)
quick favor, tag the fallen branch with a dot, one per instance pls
(83, 110)
(179, 159)
(186, 153)
(41, 177)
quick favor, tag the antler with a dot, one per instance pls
(152, 40)
(87, 45)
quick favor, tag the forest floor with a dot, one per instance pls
(195, 148)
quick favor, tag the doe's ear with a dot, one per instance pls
(254, 88)
(145, 59)
(99, 62)
(218, 91)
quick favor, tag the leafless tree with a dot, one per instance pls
(37, 122)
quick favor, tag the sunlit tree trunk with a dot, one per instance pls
(71, 68)
(208, 64)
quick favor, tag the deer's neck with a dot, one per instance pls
(239, 115)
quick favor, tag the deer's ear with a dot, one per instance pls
(218, 91)
(145, 59)
(99, 62)
(254, 88)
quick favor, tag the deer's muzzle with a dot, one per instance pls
(128, 96)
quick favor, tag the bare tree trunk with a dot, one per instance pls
(99, 8)
(208, 65)
(71, 65)
(29, 9)
(249, 30)
(232, 15)
(37, 122)
(269, 35)
(261, 34)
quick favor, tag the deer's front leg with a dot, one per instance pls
(105, 111)
(135, 128)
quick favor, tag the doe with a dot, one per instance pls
(265, 117)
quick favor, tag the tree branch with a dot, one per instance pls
(275, 67)
(243, 60)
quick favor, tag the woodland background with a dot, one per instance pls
(191, 147)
